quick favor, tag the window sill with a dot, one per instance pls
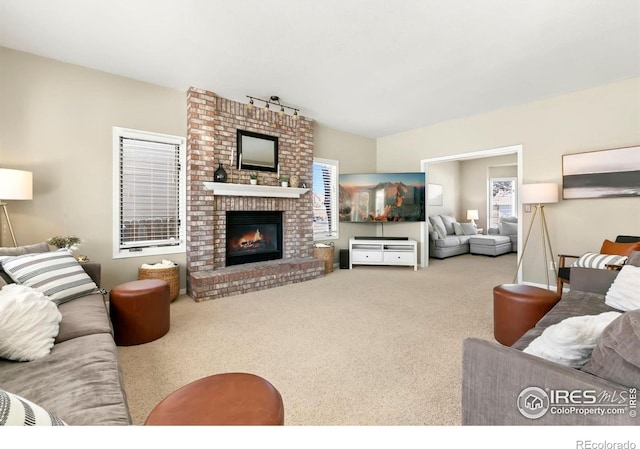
(146, 252)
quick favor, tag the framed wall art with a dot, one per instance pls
(601, 174)
(434, 195)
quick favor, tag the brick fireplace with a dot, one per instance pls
(212, 123)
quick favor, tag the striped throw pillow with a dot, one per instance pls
(17, 411)
(600, 261)
(55, 274)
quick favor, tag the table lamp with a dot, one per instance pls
(472, 214)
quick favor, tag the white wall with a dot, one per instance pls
(595, 119)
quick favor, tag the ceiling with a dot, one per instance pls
(369, 67)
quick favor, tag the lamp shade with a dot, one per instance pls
(16, 184)
(472, 214)
(539, 193)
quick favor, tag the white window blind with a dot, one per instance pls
(325, 199)
(150, 186)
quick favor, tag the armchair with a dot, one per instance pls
(622, 246)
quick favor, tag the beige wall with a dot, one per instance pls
(474, 175)
(356, 154)
(447, 174)
(595, 119)
(56, 120)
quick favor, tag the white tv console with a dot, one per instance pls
(383, 252)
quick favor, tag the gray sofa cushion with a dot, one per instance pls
(438, 226)
(26, 249)
(616, 356)
(80, 381)
(507, 228)
(469, 228)
(634, 258)
(451, 240)
(448, 224)
(83, 316)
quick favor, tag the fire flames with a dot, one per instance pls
(252, 241)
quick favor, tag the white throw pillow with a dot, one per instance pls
(571, 341)
(56, 274)
(624, 293)
(457, 228)
(29, 323)
(18, 411)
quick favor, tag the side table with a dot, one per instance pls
(517, 308)
(140, 311)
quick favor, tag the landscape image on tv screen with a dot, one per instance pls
(382, 197)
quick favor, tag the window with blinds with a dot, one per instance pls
(150, 193)
(325, 199)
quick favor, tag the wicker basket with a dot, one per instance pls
(171, 275)
(325, 253)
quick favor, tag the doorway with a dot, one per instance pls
(426, 163)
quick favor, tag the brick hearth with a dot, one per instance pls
(211, 139)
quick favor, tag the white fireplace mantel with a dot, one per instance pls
(229, 189)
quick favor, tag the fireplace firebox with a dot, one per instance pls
(253, 236)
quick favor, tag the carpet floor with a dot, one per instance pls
(368, 346)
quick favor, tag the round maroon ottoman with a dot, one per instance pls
(517, 308)
(140, 311)
(229, 399)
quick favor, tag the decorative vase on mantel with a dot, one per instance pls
(294, 181)
(220, 174)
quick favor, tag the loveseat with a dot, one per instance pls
(497, 380)
(449, 238)
(80, 380)
(507, 226)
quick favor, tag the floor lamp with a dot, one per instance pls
(539, 194)
(14, 185)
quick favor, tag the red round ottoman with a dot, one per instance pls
(517, 308)
(229, 399)
(140, 311)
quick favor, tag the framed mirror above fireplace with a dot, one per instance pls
(257, 151)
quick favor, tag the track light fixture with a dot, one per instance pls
(273, 100)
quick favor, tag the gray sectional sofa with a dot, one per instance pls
(80, 381)
(496, 378)
(508, 226)
(447, 237)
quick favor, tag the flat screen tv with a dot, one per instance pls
(382, 197)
